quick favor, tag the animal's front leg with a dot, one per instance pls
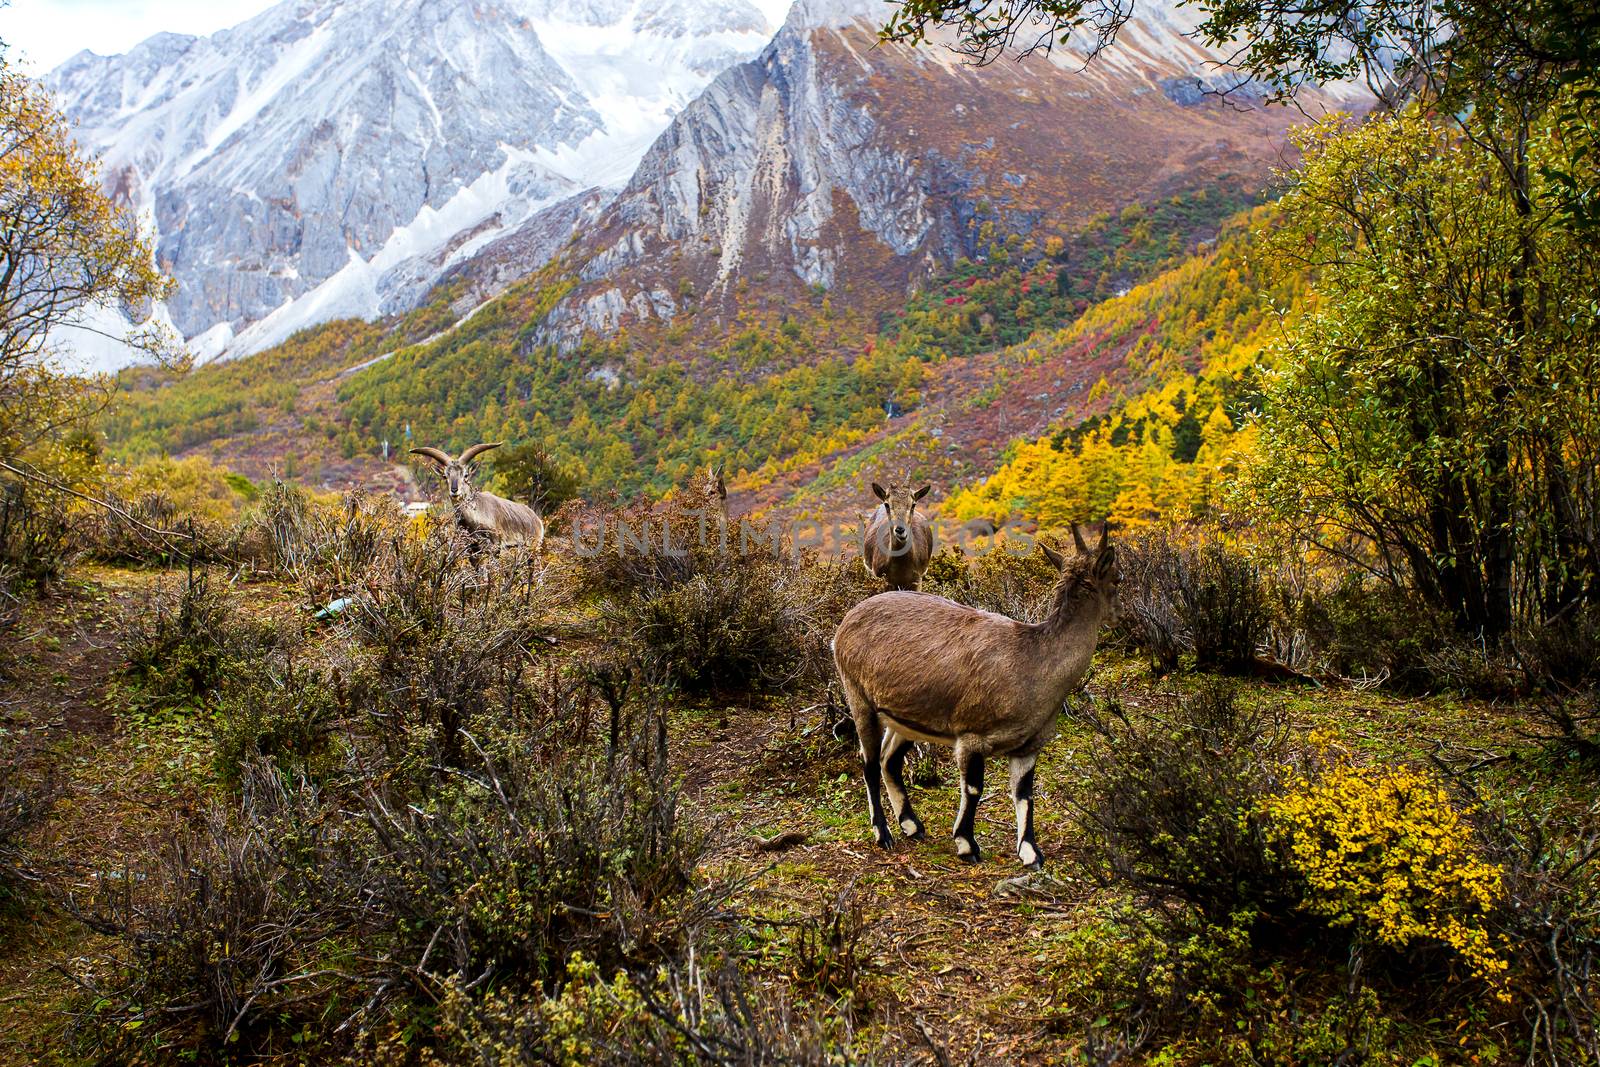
(969, 764)
(1022, 799)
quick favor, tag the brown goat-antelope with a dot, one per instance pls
(898, 542)
(918, 667)
(484, 515)
(714, 488)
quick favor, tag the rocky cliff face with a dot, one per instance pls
(335, 157)
(832, 160)
(342, 157)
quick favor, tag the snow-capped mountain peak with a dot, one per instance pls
(333, 157)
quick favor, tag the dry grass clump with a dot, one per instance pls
(190, 640)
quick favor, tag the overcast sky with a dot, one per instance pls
(41, 33)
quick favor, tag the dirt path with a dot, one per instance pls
(953, 957)
(113, 800)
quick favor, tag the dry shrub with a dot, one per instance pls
(189, 641)
(1560, 661)
(828, 956)
(1563, 653)
(521, 864)
(1201, 596)
(733, 626)
(1013, 583)
(1373, 631)
(220, 948)
(297, 906)
(149, 530)
(718, 610)
(282, 709)
(1552, 925)
(1174, 799)
(1371, 889)
(705, 1014)
(33, 546)
(646, 549)
(452, 645)
(326, 547)
(24, 805)
(1149, 617)
(824, 590)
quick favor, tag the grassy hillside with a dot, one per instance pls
(637, 411)
(1191, 342)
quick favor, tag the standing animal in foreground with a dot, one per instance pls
(918, 667)
(483, 515)
(898, 542)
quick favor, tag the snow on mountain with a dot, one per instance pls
(834, 160)
(333, 157)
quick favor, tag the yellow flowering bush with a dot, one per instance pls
(1385, 852)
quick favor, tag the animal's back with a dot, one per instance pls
(905, 648)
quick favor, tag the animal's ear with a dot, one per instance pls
(1105, 535)
(880, 492)
(472, 453)
(722, 485)
(1056, 559)
(920, 493)
(432, 455)
(1106, 561)
(1077, 539)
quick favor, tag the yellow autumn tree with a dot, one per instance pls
(65, 249)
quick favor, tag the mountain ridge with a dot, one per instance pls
(352, 142)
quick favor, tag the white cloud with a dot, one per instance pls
(40, 34)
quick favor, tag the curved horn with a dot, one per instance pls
(1077, 538)
(1052, 555)
(475, 450)
(438, 456)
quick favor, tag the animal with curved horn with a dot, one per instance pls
(898, 542)
(918, 667)
(482, 514)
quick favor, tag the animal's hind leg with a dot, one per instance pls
(869, 731)
(1022, 800)
(969, 764)
(895, 750)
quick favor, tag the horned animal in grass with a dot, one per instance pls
(898, 542)
(484, 516)
(918, 667)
